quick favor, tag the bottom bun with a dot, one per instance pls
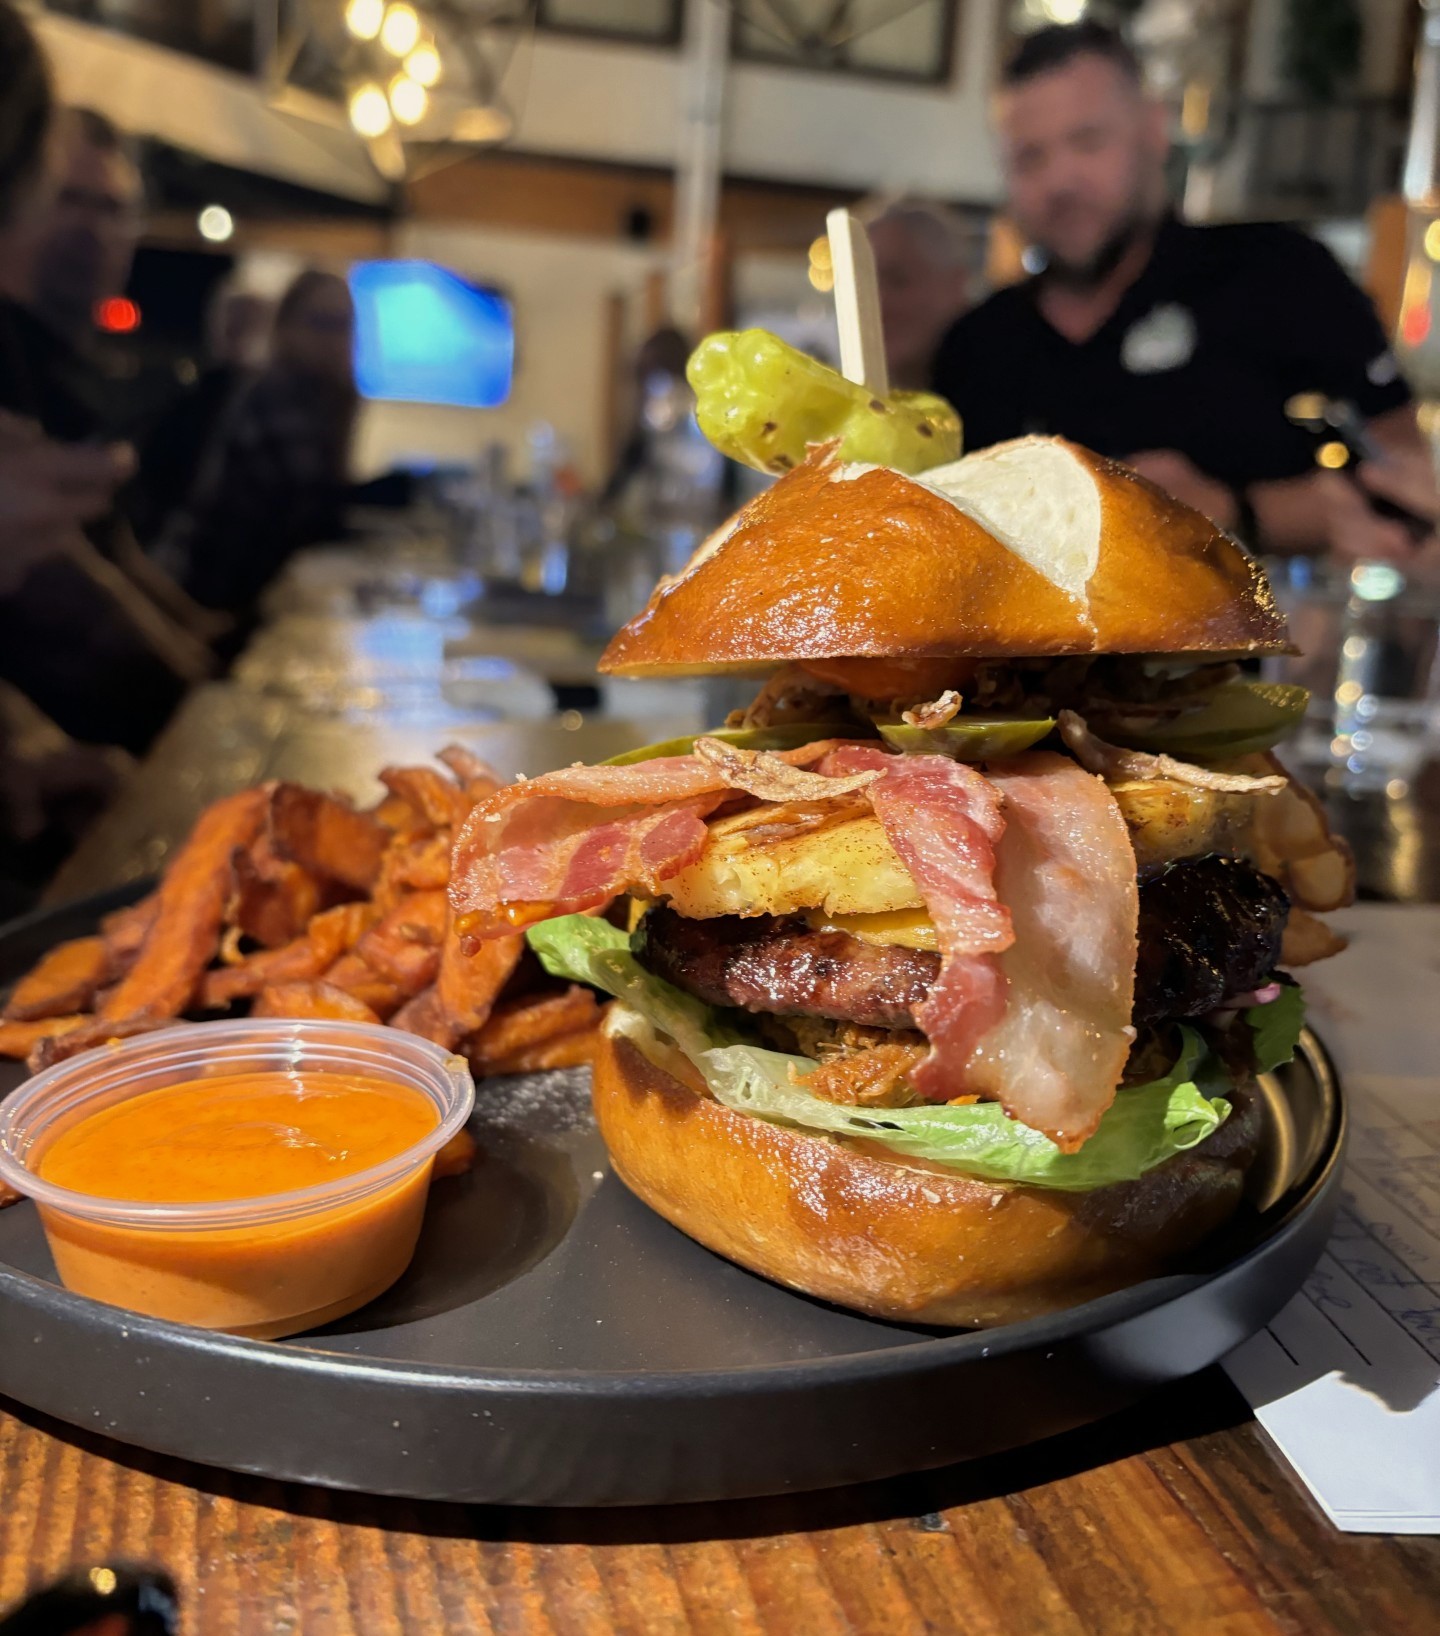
(887, 1236)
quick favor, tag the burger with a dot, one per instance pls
(943, 972)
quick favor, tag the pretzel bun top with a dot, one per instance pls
(1034, 548)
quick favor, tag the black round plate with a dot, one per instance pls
(555, 1343)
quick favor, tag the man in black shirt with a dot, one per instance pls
(1172, 347)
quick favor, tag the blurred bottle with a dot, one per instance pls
(493, 548)
(1386, 681)
(554, 503)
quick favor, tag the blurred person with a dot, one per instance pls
(1171, 346)
(77, 251)
(274, 476)
(237, 339)
(658, 375)
(237, 330)
(70, 645)
(922, 266)
(88, 245)
(72, 250)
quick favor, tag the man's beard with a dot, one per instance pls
(1097, 267)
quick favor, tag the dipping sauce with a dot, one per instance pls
(240, 1136)
(225, 1148)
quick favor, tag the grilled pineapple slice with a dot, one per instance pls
(1168, 820)
(845, 869)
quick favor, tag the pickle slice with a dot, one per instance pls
(763, 403)
(784, 736)
(969, 738)
(1239, 718)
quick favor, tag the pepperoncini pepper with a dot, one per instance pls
(761, 402)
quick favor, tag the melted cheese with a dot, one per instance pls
(907, 928)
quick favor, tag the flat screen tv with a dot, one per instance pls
(425, 335)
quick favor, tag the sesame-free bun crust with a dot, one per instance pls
(1032, 548)
(890, 1238)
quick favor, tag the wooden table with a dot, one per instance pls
(1175, 1517)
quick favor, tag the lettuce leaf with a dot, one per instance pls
(1144, 1126)
(1276, 1026)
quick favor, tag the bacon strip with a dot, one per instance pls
(944, 819)
(1066, 872)
(573, 839)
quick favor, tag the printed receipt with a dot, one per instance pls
(1346, 1380)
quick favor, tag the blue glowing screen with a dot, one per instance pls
(422, 335)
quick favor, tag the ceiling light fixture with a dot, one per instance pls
(364, 17)
(369, 110)
(408, 100)
(400, 32)
(423, 64)
(215, 223)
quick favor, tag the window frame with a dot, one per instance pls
(943, 76)
(668, 41)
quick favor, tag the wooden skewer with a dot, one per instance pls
(857, 303)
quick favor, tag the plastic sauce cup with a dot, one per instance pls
(265, 1266)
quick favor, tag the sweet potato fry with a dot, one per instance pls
(421, 865)
(19, 1039)
(330, 934)
(326, 836)
(351, 975)
(468, 984)
(570, 1050)
(1289, 837)
(321, 1001)
(423, 1016)
(1307, 938)
(398, 816)
(443, 802)
(456, 1157)
(520, 1025)
(89, 1032)
(124, 930)
(274, 898)
(477, 778)
(404, 946)
(183, 939)
(418, 863)
(65, 981)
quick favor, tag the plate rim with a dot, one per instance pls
(937, 1350)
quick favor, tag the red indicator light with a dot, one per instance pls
(118, 314)
(1415, 324)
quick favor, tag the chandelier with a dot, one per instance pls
(409, 76)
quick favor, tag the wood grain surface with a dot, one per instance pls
(1171, 1518)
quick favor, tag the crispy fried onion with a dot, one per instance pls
(765, 776)
(934, 714)
(1110, 761)
(773, 823)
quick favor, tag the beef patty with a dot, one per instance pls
(787, 968)
(1209, 927)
